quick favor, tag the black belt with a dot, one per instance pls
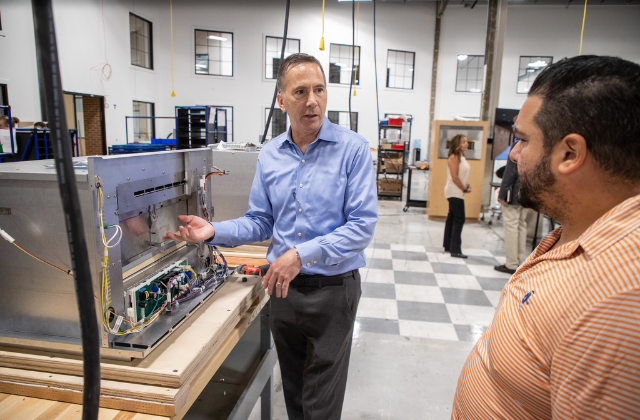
(318, 280)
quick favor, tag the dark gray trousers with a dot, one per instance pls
(453, 227)
(312, 329)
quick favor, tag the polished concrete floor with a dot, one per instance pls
(400, 376)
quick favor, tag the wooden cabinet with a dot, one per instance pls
(476, 132)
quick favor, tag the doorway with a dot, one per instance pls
(85, 113)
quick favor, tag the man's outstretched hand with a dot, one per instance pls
(281, 272)
(197, 230)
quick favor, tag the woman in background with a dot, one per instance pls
(455, 189)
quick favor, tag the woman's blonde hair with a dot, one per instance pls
(456, 145)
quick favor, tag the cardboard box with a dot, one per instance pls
(393, 165)
(389, 185)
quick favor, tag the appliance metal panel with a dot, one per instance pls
(230, 194)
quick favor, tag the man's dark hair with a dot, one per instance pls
(598, 98)
(294, 60)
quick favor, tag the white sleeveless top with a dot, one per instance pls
(450, 188)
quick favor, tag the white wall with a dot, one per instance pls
(531, 30)
(81, 42)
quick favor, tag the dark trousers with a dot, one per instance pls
(453, 228)
(312, 329)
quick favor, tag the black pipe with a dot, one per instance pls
(375, 64)
(353, 57)
(53, 111)
(275, 92)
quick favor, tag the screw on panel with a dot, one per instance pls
(162, 171)
(108, 196)
(128, 179)
(115, 212)
(143, 169)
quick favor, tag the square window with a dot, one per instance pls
(273, 50)
(340, 64)
(279, 122)
(220, 124)
(144, 128)
(217, 49)
(400, 65)
(140, 35)
(530, 68)
(341, 118)
(470, 73)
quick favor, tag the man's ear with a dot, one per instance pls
(571, 153)
(281, 102)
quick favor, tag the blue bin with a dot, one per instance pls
(170, 142)
(120, 149)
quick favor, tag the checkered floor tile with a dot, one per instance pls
(419, 291)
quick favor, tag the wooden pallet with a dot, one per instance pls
(166, 382)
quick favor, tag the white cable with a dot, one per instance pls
(6, 236)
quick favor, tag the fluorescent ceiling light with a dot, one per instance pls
(217, 38)
(462, 57)
(538, 64)
(410, 69)
(474, 90)
(338, 64)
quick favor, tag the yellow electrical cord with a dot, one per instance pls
(584, 16)
(195, 276)
(355, 70)
(322, 39)
(173, 92)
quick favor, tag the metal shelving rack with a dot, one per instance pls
(391, 165)
(193, 127)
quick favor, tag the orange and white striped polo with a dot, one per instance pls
(564, 342)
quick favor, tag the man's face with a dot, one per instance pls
(304, 98)
(538, 185)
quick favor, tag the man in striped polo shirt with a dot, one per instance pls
(564, 342)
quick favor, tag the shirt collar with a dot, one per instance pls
(611, 227)
(606, 231)
(326, 133)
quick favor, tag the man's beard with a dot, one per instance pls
(538, 190)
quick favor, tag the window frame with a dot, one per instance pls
(4, 96)
(152, 135)
(195, 54)
(345, 112)
(266, 37)
(359, 61)
(467, 79)
(151, 67)
(413, 73)
(520, 68)
(227, 107)
(270, 130)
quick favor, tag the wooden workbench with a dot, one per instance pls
(36, 385)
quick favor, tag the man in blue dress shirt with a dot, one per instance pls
(314, 193)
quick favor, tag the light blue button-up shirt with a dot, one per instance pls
(324, 202)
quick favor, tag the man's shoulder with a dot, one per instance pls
(345, 135)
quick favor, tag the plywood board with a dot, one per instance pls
(438, 204)
(175, 359)
(27, 408)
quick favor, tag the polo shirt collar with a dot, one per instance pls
(606, 231)
(611, 227)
